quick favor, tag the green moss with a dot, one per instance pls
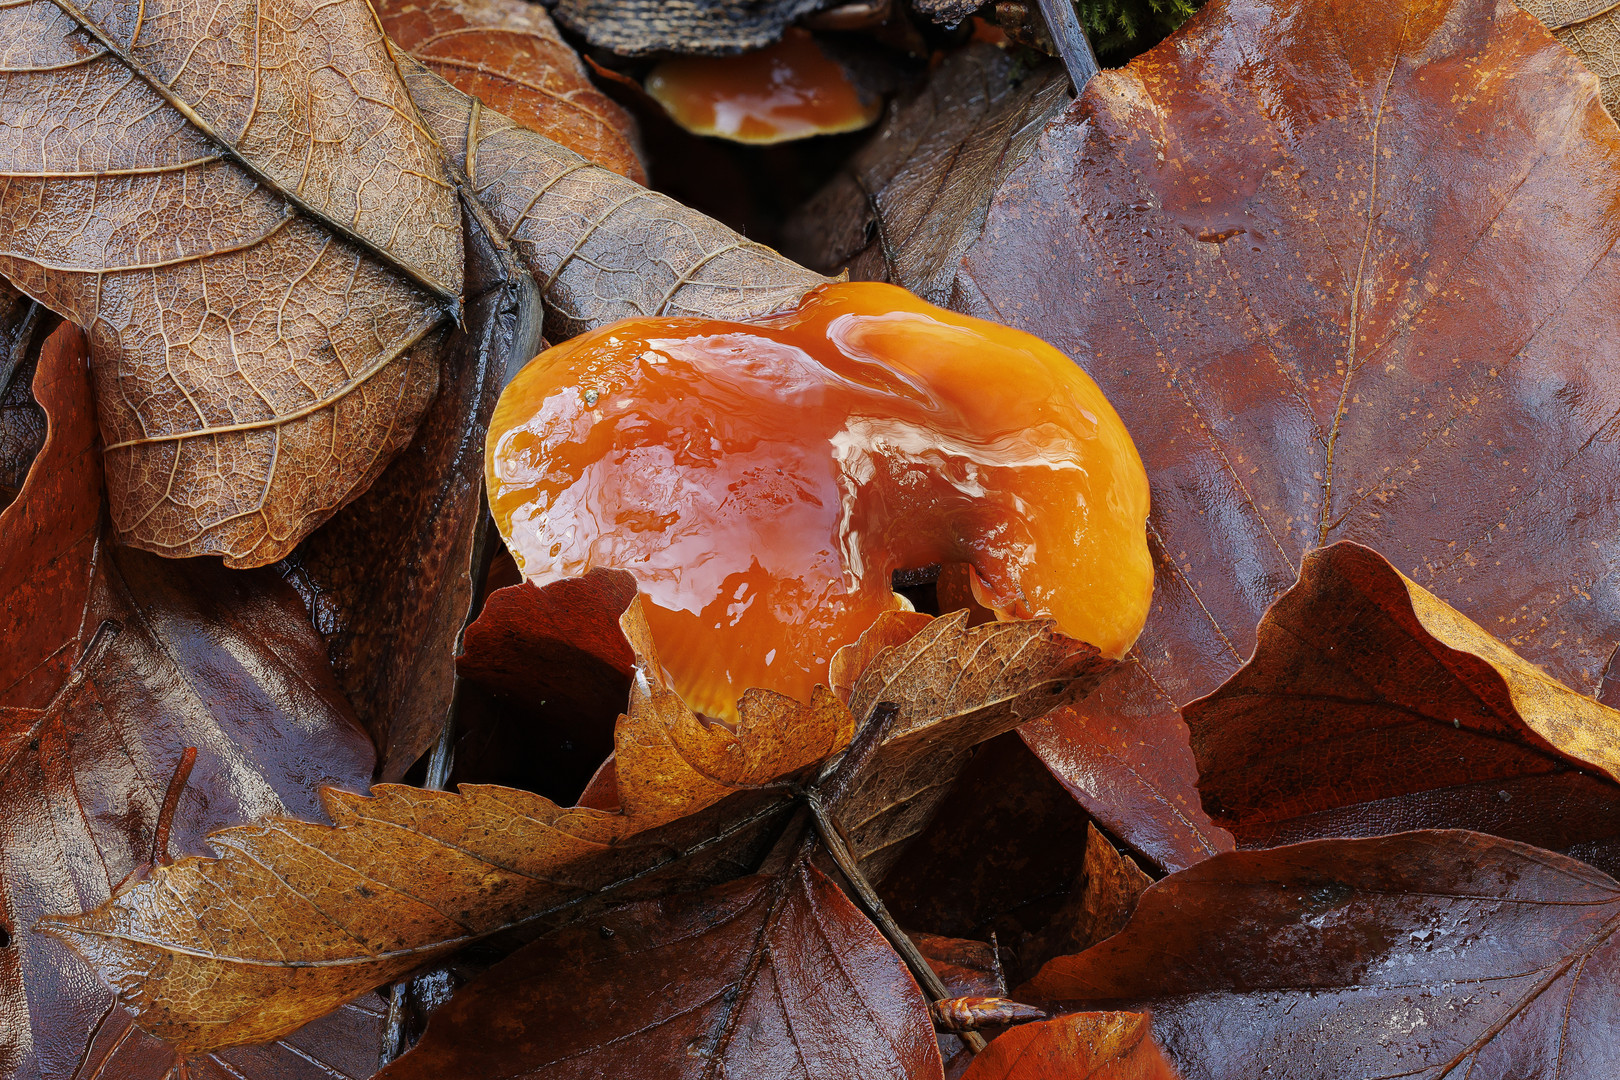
(1120, 29)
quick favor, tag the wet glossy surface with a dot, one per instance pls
(790, 90)
(763, 481)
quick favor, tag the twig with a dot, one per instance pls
(1072, 43)
(925, 975)
(171, 800)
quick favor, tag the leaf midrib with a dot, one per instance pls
(450, 298)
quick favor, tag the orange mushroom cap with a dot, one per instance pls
(789, 90)
(763, 481)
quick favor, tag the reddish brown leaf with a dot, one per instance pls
(766, 976)
(508, 54)
(1097, 907)
(407, 875)
(1370, 706)
(1592, 29)
(114, 663)
(1007, 846)
(1426, 954)
(1080, 1046)
(1347, 271)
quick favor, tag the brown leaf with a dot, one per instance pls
(1424, 954)
(970, 682)
(1592, 29)
(23, 327)
(601, 247)
(115, 662)
(999, 858)
(1097, 907)
(256, 186)
(907, 205)
(408, 875)
(713, 28)
(1080, 1046)
(766, 976)
(1360, 289)
(391, 623)
(1371, 706)
(508, 54)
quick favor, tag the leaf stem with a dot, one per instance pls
(171, 801)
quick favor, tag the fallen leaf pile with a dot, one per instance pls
(298, 779)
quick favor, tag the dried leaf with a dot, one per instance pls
(1097, 907)
(1425, 954)
(1080, 1046)
(710, 27)
(115, 662)
(391, 624)
(23, 326)
(601, 247)
(1347, 272)
(970, 682)
(408, 875)
(775, 976)
(1592, 29)
(508, 54)
(216, 195)
(1371, 706)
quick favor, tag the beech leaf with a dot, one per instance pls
(114, 663)
(242, 209)
(1080, 1046)
(1423, 954)
(1372, 706)
(1592, 29)
(772, 975)
(1347, 272)
(601, 247)
(408, 875)
(508, 55)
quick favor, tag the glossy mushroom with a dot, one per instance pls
(789, 90)
(763, 481)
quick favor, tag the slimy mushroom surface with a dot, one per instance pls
(762, 481)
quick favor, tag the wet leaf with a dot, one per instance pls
(1360, 289)
(508, 54)
(1592, 29)
(768, 975)
(1371, 706)
(391, 624)
(1080, 1046)
(1097, 907)
(1424, 954)
(23, 326)
(408, 875)
(115, 662)
(214, 197)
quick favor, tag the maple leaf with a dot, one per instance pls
(1346, 272)
(115, 663)
(1371, 706)
(1500, 955)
